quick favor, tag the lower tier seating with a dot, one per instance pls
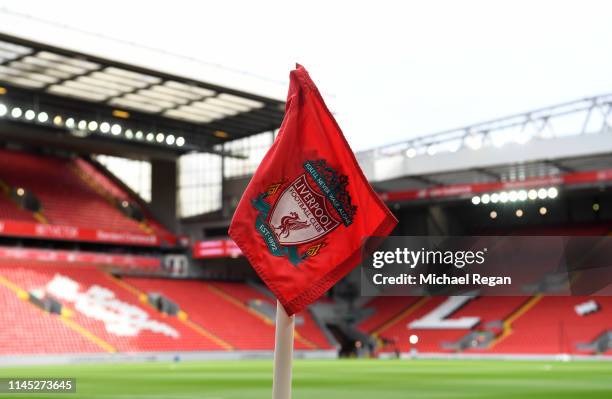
(519, 325)
(28, 329)
(245, 293)
(107, 313)
(101, 313)
(223, 308)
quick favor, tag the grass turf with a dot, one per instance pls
(334, 379)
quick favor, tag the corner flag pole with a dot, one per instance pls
(283, 354)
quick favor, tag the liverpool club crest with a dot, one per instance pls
(294, 222)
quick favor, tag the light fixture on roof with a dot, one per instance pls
(140, 106)
(187, 89)
(197, 110)
(133, 76)
(30, 115)
(143, 100)
(431, 150)
(105, 127)
(411, 153)
(43, 117)
(519, 213)
(520, 195)
(215, 108)
(77, 93)
(240, 100)
(493, 215)
(475, 200)
(16, 112)
(182, 115)
(20, 192)
(220, 134)
(474, 141)
(2, 90)
(121, 114)
(532, 194)
(82, 127)
(157, 95)
(543, 211)
(542, 193)
(228, 104)
(116, 129)
(498, 141)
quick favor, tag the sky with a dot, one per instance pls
(390, 70)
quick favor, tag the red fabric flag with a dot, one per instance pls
(304, 216)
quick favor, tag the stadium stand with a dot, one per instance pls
(9, 210)
(86, 264)
(384, 309)
(107, 312)
(553, 326)
(307, 328)
(72, 193)
(520, 325)
(114, 190)
(65, 199)
(231, 300)
(27, 329)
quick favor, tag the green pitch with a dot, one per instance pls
(341, 379)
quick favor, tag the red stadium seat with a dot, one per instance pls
(115, 316)
(242, 327)
(71, 193)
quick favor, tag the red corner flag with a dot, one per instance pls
(304, 216)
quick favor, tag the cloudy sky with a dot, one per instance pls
(391, 70)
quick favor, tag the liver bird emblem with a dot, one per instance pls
(290, 223)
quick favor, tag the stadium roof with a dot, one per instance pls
(565, 141)
(102, 97)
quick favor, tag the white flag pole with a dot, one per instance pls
(283, 354)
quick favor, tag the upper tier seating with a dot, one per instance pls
(65, 198)
(71, 193)
(112, 188)
(9, 210)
